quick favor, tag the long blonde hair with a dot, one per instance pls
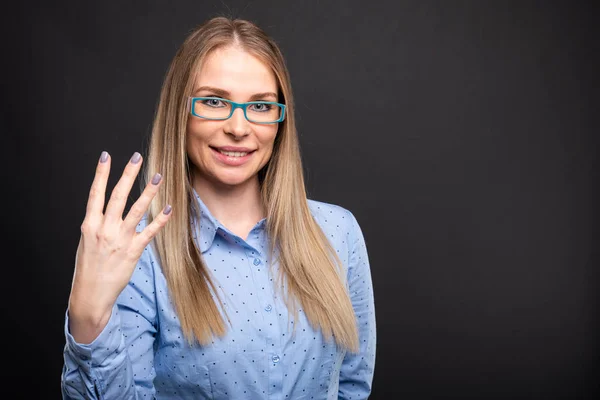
(309, 266)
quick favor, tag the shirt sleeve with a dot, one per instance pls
(118, 364)
(356, 373)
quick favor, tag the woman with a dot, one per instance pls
(223, 280)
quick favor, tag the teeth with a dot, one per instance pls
(233, 153)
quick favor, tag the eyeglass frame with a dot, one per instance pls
(235, 106)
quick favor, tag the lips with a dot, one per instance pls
(231, 160)
(234, 149)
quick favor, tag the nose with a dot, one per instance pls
(237, 125)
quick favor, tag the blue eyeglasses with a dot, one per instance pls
(216, 108)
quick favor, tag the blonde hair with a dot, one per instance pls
(309, 265)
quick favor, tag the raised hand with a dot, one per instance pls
(109, 247)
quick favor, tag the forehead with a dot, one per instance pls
(236, 71)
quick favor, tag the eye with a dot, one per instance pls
(261, 107)
(212, 102)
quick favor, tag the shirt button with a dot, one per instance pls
(268, 307)
(256, 261)
(275, 359)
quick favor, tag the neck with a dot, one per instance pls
(237, 206)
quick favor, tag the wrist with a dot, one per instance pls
(89, 314)
(86, 327)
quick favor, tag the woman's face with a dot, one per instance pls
(232, 74)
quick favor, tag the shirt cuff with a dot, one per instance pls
(105, 344)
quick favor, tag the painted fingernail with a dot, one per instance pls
(156, 179)
(103, 157)
(167, 210)
(135, 158)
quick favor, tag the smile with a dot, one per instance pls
(232, 158)
(233, 153)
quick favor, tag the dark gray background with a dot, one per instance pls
(463, 136)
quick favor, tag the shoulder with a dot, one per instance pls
(331, 214)
(334, 220)
(328, 213)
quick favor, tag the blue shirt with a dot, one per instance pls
(142, 353)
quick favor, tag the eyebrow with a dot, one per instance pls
(225, 94)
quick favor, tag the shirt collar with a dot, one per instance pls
(209, 226)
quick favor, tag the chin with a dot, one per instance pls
(232, 180)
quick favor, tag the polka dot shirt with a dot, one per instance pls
(142, 353)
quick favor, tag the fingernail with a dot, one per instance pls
(167, 210)
(103, 157)
(135, 158)
(156, 179)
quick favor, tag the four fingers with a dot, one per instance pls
(119, 196)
